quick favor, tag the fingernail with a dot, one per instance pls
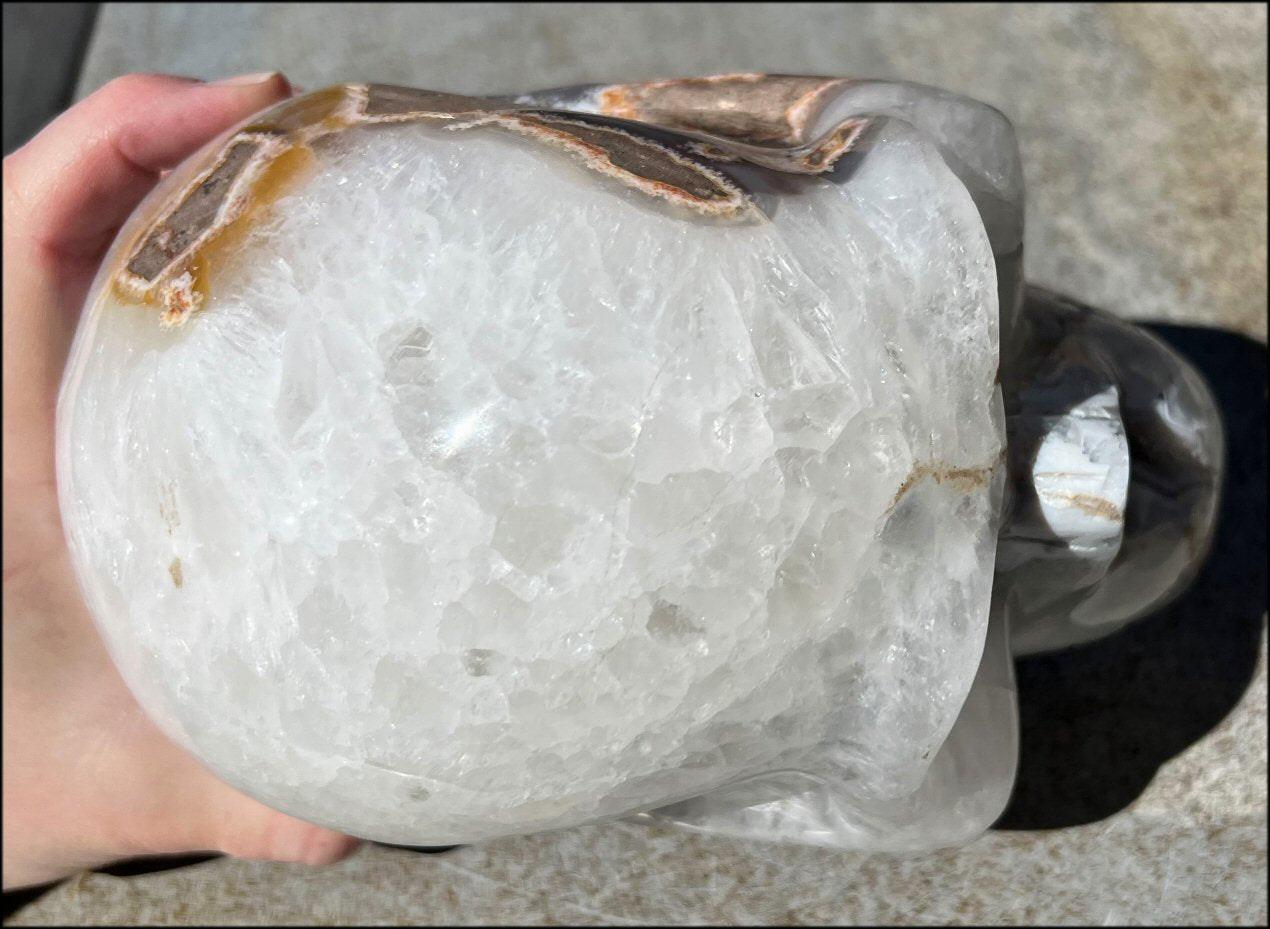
(243, 80)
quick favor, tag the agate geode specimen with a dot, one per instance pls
(440, 468)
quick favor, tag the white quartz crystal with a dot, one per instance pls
(486, 495)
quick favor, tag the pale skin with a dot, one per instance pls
(88, 779)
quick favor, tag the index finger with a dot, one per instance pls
(78, 180)
(66, 192)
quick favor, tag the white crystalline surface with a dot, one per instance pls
(486, 495)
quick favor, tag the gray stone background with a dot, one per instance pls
(1142, 789)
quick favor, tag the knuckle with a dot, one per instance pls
(130, 88)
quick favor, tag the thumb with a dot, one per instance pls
(77, 181)
(66, 193)
(247, 829)
(203, 812)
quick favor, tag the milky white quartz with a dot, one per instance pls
(487, 495)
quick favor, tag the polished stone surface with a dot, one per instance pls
(1142, 789)
(542, 500)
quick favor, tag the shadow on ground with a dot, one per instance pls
(1097, 721)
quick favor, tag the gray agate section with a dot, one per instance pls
(1116, 448)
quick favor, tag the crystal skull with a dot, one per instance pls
(440, 468)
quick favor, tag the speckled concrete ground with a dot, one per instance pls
(1142, 791)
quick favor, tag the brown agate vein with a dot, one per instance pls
(639, 162)
(386, 103)
(633, 159)
(197, 213)
(755, 108)
(169, 264)
(767, 117)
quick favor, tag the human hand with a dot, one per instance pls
(88, 779)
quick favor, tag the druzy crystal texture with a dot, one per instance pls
(440, 468)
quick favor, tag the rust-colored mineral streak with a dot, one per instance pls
(774, 113)
(756, 108)
(724, 119)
